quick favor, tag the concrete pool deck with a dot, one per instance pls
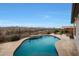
(65, 46)
(7, 49)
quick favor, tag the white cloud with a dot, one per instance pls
(46, 16)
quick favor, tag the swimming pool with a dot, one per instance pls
(37, 46)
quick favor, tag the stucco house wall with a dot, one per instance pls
(77, 33)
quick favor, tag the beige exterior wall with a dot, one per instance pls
(74, 30)
(77, 34)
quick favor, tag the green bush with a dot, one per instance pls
(65, 31)
(60, 32)
(56, 31)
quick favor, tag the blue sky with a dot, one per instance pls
(35, 15)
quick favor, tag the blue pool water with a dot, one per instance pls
(37, 46)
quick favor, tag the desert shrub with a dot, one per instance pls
(56, 31)
(2, 39)
(48, 33)
(71, 36)
(24, 35)
(9, 38)
(14, 37)
(9, 34)
(60, 32)
(0, 33)
(65, 31)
